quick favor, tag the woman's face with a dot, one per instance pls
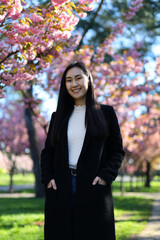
(77, 85)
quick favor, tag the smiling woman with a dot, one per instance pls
(77, 85)
(83, 152)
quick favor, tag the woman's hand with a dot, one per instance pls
(99, 180)
(52, 184)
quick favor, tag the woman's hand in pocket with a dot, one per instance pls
(99, 181)
(52, 184)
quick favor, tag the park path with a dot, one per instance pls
(17, 195)
(152, 230)
(17, 187)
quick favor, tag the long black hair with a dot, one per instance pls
(94, 118)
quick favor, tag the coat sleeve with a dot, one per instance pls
(113, 152)
(47, 157)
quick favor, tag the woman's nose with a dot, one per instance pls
(74, 83)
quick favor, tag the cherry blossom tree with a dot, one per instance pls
(14, 138)
(14, 142)
(31, 37)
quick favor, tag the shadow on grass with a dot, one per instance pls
(21, 205)
(10, 225)
(29, 190)
(132, 203)
(132, 220)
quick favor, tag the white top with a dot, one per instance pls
(76, 133)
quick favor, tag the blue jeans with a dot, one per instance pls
(72, 190)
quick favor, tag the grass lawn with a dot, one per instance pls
(137, 187)
(19, 219)
(22, 219)
(18, 179)
(131, 214)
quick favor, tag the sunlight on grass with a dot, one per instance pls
(137, 187)
(18, 179)
(23, 218)
(131, 215)
(125, 230)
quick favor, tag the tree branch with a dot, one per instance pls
(10, 54)
(90, 24)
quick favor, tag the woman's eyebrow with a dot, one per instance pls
(78, 75)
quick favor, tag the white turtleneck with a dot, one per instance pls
(76, 133)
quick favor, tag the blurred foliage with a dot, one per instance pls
(145, 25)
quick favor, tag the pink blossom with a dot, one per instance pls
(87, 1)
(89, 8)
(36, 18)
(19, 27)
(82, 15)
(2, 17)
(5, 1)
(58, 2)
(136, 2)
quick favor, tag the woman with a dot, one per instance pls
(83, 152)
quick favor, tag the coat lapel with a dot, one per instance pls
(86, 141)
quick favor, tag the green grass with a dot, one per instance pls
(18, 179)
(131, 214)
(29, 190)
(137, 187)
(21, 219)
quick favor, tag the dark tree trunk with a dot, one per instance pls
(148, 177)
(122, 184)
(131, 183)
(11, 173)
(34, 151)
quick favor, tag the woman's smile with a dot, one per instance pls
(76, 90)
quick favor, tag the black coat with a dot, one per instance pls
(94, 204)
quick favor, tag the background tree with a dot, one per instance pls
(144, 26)
(14, 138)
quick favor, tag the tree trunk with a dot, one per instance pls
(122, 184)
(34, 151)
(131, 183)
(11, 173)
(148, 178)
